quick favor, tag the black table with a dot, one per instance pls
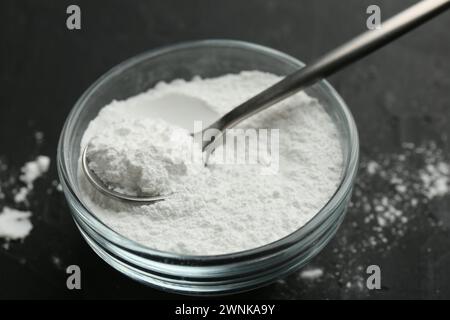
(400, 94)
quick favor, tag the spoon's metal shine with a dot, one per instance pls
(326, 65)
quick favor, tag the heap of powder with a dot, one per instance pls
(142, 156)
(220, 208)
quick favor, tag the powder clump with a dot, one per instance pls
(31, 171)
(14, 224)
(140, 156)
(34, 169)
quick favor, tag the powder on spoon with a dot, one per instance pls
(221, 208)
(141, 156)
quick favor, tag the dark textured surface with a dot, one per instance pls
(402, 93)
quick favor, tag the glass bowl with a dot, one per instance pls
(219, 274)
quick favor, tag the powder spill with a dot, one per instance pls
(221, 208)
(413, 177)
(14, 224)
(394, 196)
(30, 172)
(435, 179)
(34, 169)
(21, 195)
(311, 274)
(57, 262)
(39, 137)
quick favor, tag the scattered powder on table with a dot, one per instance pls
(435, 178)
(397, 197)
(34, 169)
(14, 224)
(30, 172)
(399, 183)
(2, 195)
(39, 137)
(57, 262)
(56, 186)
(395, 194)
(219, 208)
(311, 274)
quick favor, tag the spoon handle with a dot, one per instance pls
(334, 60)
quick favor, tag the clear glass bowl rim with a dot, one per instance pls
(345, 186)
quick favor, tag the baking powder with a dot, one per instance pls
(221, 208)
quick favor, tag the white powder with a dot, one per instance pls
(311, 274)
(142, 156)
(34, 169)
(372, 167)
(435, 178)
(30, 172)
(219, 208)
(417, 175)
(406, 195)
(14, 224)
(21, 195)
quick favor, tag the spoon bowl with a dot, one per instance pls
(103, 188)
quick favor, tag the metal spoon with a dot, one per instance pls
(324, 66)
